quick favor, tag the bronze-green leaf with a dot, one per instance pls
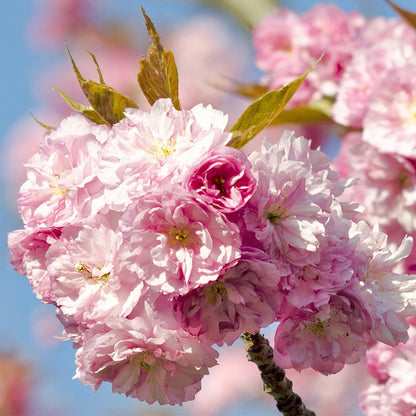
(108, 103)
(264, 111)
(407, 16)
(84, 109)
(316, 112)
(45, 126)
(158, 75)
(251, 90)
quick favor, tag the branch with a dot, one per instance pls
(274, 379)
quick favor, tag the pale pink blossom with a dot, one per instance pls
(90, 280)
(244, 298)
(144, 358)
(288, 44)
(325, 340)
(222, 179)
(28, 256)
(365, 75)
(389, 297)
(62, 176)
(388, 195)
(390, 122)
(296, 193)
(177, 243)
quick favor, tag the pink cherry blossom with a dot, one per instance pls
(144, 359)
(176, 242)
(365, 75)
(326, 340)
(166, 139)
(390, 122)
(90, 280)
(389, 297)
(222, 179)
(388, 195)
(62, 176)
(295, 194)
(28, 256)
(244, 298)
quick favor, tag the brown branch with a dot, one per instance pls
(274, 379)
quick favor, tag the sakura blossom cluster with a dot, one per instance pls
(156, 241)
(366, 72)
(366, 76)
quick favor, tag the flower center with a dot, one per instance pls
(318, 328)
(214, 291)
(180, 236)
(219, 182)
(95, 275)
(403, 180)
(276, 213)
(164, 149)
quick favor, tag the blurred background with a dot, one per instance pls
(211, 41)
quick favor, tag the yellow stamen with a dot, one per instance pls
(214, 291)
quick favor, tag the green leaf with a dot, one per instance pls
(407, 16)
(86, 110)
(108, 103)
(158, 75)
(251, 90)
(316, 112)
(264, 111)
(45, 126)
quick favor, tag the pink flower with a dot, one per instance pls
(326, 340)
(62, 176)
(365, 75)
(176, 242)
(223, 179)
(90, 280)
(165, 139)
(295, 195)
(388, 297)
(288, 44)
(28, 256)
(244, 298)
(388, 195)
(390, 122)
(145, 359)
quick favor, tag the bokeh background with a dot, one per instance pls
(213, 48)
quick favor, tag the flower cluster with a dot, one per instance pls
(155, 240)
(394, 370)
(365, 78)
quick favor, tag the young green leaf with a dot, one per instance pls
(251, 90)
(107, 104)
(264, 111)
(158, 75)
(45, 126)
(84, 109)
(315, 112)
(407, 16)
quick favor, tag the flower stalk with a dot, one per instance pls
(274, 379)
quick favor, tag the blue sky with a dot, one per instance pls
(20, 65)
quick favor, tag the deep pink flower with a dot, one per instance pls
(222, 179)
